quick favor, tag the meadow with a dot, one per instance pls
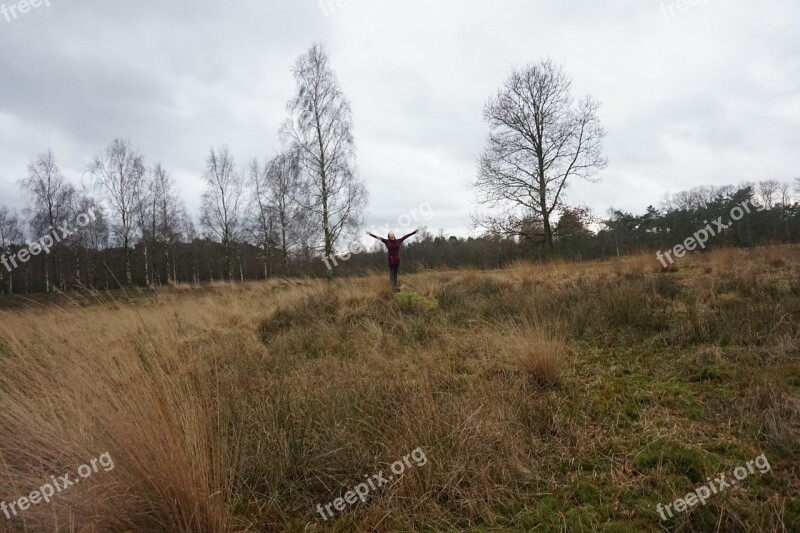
(546, 397)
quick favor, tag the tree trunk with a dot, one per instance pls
(228, 262)
(548, 233)
(47, 275)
(266, 260)
(170, 276)
(78, 265)
(146, 265)
(241, 268)
(128, 272)
(326, 219)
(285, 248)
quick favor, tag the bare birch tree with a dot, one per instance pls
(168, 209)
(146, 214)
(51, 195)
(321, 131)
(10, 235)
(539, 141)
(285, 194)
(223, 202)
(157, 211)
(190, 233)
(89, 213)
(262, 219)
(119, 172)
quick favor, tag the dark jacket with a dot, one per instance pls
(394, 248)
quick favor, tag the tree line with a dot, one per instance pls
(284, 215)
(259, 220)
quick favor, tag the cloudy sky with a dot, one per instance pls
(705, 95)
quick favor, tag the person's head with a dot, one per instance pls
(391, 236)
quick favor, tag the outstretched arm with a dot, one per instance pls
(374, 236)
(409, 235)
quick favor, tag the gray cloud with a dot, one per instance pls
(710, 96)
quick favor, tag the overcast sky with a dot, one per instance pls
(707, 95)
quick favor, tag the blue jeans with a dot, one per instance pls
(393, 269)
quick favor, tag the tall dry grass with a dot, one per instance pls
(532, 390)
(136, 381)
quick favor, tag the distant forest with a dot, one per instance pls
(166, 247)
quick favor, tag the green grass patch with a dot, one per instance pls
(413, 301)
(675, 458)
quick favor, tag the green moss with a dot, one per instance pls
(678, 396)
(547, 511)
(677, 459)
(706, 374)
(586, 493)
(411, 301)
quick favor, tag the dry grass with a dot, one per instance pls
(540, 356)
(552, 397)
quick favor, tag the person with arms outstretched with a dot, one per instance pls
(393, 245)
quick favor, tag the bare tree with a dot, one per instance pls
(10, 235)
(52, 196)
(223, 202)
(120, 172)
(146, 214)
(262, 219)
(321, 131)
(87, 233)
(157, 210)
(169, 210)
(285, 195)
(768, 191)
(188, 230)
(540, 140)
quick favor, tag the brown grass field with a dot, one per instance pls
(555, 397)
